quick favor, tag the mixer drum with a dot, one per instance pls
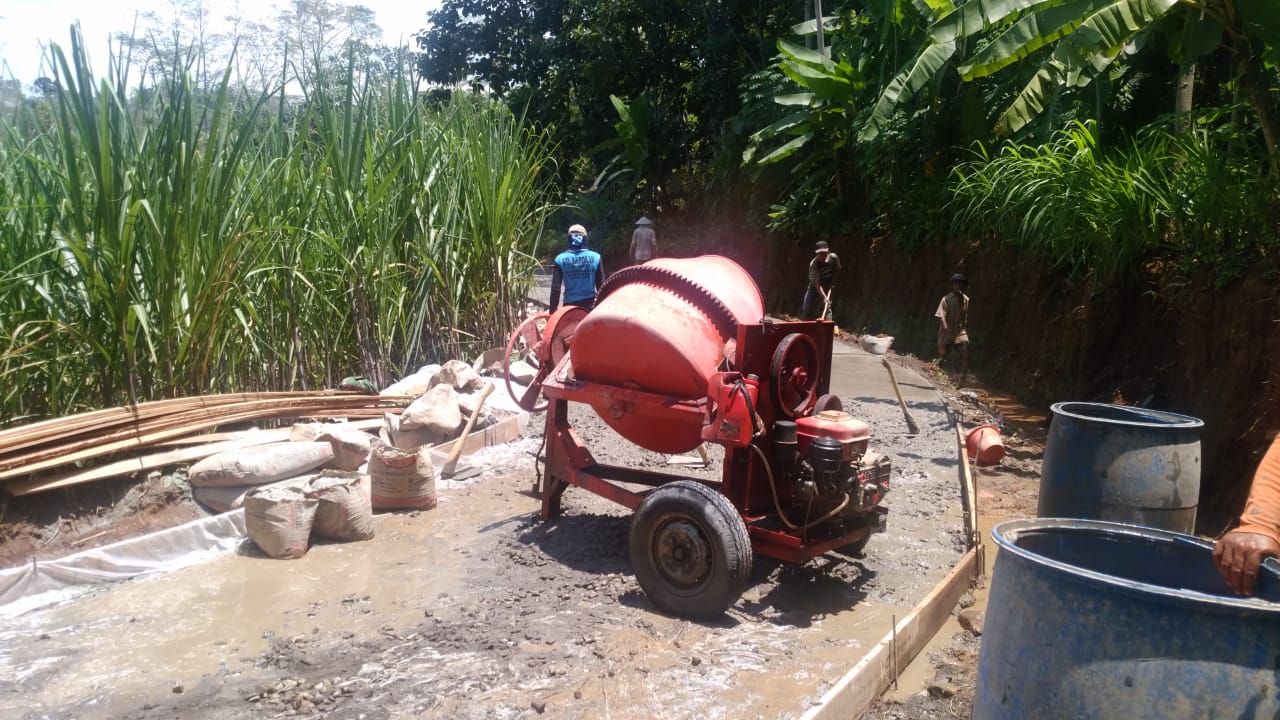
(662, 327)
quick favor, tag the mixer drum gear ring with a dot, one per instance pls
(693, 293)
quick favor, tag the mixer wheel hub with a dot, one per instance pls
(690, 550)
(684, 557)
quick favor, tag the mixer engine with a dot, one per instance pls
(826, 466)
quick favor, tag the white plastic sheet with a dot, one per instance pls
(42, 583)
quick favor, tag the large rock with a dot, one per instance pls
(458, 375)
(436, 411)
(490, 362)
(972, 619)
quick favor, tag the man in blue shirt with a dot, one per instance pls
(579, 271)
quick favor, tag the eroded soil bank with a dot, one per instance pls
(1190, 347)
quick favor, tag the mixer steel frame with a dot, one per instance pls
(744, 482)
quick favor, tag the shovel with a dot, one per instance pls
(912, 428)
(451, 463)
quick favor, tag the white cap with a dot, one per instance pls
(644, 221)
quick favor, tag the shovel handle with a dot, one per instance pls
(452, 461)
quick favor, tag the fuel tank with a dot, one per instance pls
(664, 327)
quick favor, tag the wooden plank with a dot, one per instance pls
(854, 693)
(968, 492)
(54, 429)
(364, 425)
(499, 433)
(165, 428)
(142, 463)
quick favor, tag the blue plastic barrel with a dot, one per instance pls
(1092, 620)
(1123, 464)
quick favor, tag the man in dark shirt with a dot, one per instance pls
(822, 279)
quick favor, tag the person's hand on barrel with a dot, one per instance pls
(1238, 556)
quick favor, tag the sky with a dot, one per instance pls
(27, 24)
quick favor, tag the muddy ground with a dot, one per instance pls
(478, 609)
(53, 524)
(940, 683)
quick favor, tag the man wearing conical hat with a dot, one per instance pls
(644, 242)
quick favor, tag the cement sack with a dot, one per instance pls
(346, 509)
(231, 497)
(414, 384)
(460, 376)
(221, 499)
(402, 478)
(305, 432)
(876, 344)
(407, 439)
(350, 446)
(437, 411)
(279, 519)
(260, 465)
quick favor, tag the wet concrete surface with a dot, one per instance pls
(477, 609)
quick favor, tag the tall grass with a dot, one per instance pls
(158, 241)
(1196, 199)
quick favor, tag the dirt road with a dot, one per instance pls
(477, 609)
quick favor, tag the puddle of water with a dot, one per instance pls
(118, 647)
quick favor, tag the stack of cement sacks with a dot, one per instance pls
(312, 486)
(330, 477)
(447, 395)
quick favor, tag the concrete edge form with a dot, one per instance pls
(854, 693)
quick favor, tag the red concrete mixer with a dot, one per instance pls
(678, 352)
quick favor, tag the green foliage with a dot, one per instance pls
(1090, 209)
(560, 61)
(179, 242)
(828, 102)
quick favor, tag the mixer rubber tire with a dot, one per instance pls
(690, 550)
(826, 402)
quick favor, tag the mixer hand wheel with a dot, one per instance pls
(525, 347)
(542, 341)
(793, 375)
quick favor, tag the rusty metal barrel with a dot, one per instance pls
(663, 327)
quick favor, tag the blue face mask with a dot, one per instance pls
(577, 240)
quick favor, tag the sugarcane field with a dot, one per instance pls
(812, 360)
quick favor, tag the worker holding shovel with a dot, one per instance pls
(1240, 552)
(822, 279)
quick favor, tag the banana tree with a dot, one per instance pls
(1080, 40)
